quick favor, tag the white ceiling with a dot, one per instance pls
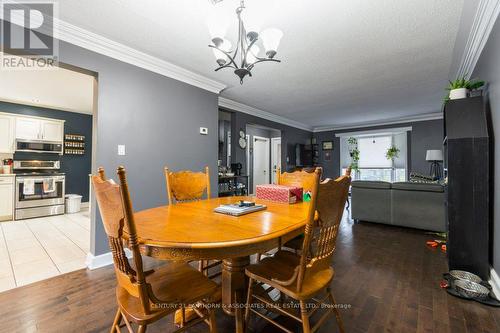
(344, 62)
(56, 88)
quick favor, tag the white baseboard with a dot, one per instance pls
(495, 282)
(85, 205)
(102, 260)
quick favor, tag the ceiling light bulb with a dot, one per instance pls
(271, 39)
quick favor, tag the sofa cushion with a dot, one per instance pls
(410, 186)
(370, 184)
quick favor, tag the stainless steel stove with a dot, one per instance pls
(40, 189)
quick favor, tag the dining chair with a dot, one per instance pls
(144, 297)
(305, 179)
(305, 277)
(185, 186)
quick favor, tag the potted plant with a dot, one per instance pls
(392, 153)
(354, 152)
(461, 86)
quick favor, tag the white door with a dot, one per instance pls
(261, 157)
(6, 134)
(52, 130)
(275, 156)
(28, 128)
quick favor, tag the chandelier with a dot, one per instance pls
(245, 54)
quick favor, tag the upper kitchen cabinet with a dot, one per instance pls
(28, 128)
(6, 134)
(52, 130)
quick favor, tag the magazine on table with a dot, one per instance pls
(239, 208)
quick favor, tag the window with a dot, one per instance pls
(373, 163)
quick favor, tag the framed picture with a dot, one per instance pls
(327, 155)
(327, 145)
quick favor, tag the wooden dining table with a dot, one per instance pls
(193, 231)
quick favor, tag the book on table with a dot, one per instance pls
(238, 209)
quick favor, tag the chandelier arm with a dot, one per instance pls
(225, 66)
(261, 60)
(225, 53)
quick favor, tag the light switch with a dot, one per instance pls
(121, 150)
(203, 130)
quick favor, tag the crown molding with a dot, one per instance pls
(236, 106)
(97, 43)
(484, 20)
(424, 117)
(72, 34)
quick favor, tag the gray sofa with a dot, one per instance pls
(415, 205)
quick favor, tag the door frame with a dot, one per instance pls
(275, 157)
(268, 153)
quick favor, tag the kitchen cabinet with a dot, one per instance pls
(39, 129)
(6, 198)
(52, 130)
(6, 134)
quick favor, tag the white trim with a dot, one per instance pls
(94, 262)
(97, 43)
(495, 282)
(72, 34)
(236, 106)
(484, 20)
(85, 205)
(377, 131)
(424, 117)
(274, 157)
(268, 154)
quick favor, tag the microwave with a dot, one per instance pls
(39, 147)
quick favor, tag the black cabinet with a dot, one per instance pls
(468, 158)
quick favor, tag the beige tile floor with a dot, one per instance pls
(36, 249)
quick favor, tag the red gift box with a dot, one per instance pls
(280, 193)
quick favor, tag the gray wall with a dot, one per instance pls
(424, 135)
(158, 120)
(289, 137)
(488, 68)
(76, 167)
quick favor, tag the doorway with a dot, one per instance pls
(275, 158)
(260, 161)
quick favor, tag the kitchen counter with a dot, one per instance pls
(7, 175)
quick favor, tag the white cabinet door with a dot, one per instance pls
(6, 134)
(28, 128)
(6, 199)
(52, 130)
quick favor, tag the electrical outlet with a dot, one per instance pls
(203, 130)
(121, 150)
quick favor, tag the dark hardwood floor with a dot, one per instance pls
(386, 274)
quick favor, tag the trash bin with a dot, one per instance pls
(73, 203)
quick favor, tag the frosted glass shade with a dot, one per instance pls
(226, 46)
(271, 39)
(434, 155)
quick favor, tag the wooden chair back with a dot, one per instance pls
(304, 178)
(187, 185)
(320, 237)
(116, 211)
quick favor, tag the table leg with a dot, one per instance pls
(234, 287)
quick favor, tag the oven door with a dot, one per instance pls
(39, 197)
